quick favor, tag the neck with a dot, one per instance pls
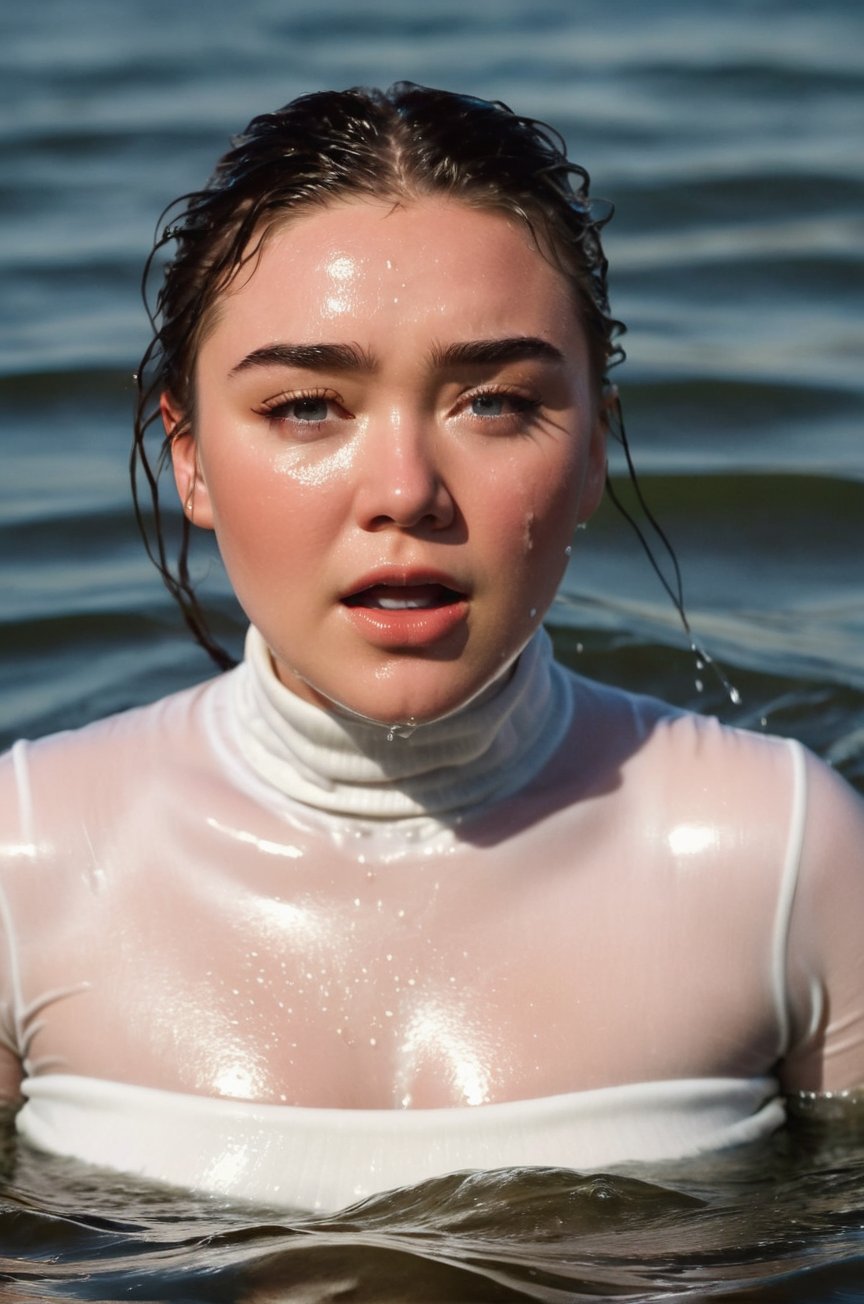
(344, 764)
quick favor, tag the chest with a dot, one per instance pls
(351, 967)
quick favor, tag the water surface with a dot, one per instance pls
(729, 137)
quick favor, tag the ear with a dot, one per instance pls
(188, 476)
(595, 471)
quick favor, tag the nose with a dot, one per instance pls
(403, 485)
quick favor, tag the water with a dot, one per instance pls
(777, 1222)
(729, 137)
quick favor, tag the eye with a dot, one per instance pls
(490, 405)
(306, 409)
(501, 405)
(315, 408)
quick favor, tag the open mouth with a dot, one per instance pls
(404, 597)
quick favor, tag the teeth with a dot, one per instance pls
(403, 604)
(407, 597)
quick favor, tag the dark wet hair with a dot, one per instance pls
(403, 143)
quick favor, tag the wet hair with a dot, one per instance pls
(401, 144)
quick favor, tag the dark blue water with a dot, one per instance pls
(729, 136)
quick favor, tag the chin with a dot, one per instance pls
(416, 705)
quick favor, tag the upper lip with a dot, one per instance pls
(403, 577)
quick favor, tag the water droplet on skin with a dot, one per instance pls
(533, 612)
(401, 730)
(568, 551)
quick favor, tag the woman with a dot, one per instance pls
(399, 895)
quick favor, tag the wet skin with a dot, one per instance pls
(396, 433)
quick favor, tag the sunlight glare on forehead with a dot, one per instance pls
(341, 268)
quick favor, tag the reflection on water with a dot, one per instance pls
(782, 1220)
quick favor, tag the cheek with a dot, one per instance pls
(538, 513)
(268, 524)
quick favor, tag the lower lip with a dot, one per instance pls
(410, 627)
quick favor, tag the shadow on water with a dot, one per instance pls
(781, 1221)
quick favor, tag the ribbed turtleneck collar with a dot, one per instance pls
(348, 766)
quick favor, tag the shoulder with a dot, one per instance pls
(673, 781)
(74, 770)
(654, 742)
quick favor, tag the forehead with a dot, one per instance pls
(374, 267)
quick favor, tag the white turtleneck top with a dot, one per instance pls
(259, 949)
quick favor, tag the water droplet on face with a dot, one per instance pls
(405, 730)
(568, 551)
(533, 612)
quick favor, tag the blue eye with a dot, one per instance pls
(498, 404)
(309, 409)
(491, 405)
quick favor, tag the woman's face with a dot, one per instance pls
(395, 434)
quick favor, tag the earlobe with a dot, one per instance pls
(191, 486)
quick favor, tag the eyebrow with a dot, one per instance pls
(309, 357)
(520, 348)
(351, 357)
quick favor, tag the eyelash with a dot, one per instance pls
(523, 407)
(278, 408)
